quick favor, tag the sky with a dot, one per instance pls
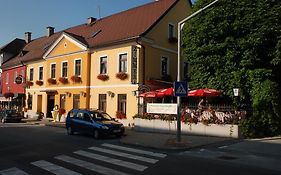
(20, 16)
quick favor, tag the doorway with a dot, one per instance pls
(50, 105)
(39, 103)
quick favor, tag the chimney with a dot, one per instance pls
(50, 31)
(91, 20)
(27, 37)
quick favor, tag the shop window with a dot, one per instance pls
(122, 103)
(76, 101)
(102, 102)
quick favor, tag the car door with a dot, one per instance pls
(87, 123)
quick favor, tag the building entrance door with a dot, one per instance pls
(50, 105)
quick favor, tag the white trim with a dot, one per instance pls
(7, 79)
(118, 61)
(107, 61)
(65, 61)
(51, 69)
(67, 54)
(39, 72)
(80, 66)
(163, 48)
(68, 37)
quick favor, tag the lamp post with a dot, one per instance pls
(180, 26)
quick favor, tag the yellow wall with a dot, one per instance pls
(65, 46)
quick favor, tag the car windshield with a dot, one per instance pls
(100, 116)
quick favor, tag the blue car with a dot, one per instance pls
(93, 122)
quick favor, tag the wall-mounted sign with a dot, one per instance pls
(162, 108)
(134, 65)
(19, 80)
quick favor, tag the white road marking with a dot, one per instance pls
(135, 150)
(55, 169)
(222, 147)
(122, 163)
(122, 154)
(13, 171)
(89, 166)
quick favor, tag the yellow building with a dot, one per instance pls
(103, 63)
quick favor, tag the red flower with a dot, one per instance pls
(76, 78)
(39, 82)
(29, 83)
(120, 115)
(52, 81)
(122, 75)
(63, 80)
(103, 77)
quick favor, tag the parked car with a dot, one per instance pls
(94, 122)
(8, 115)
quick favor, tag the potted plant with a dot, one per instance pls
(29, 83)
(63, 80)
(52, 81)
(120, 115)
(122, 75)
(103, 77)
(76, 78)
(39, 82)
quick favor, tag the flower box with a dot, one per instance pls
(52, 81)
(39, 82)
(76, 78)
(9, 94)
(120, 115)
(103, 77)
(29, 83)
(122, 75)
(63, 80)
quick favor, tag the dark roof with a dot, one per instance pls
(14, 46)
(122, 26)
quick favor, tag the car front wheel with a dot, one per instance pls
(70, 131)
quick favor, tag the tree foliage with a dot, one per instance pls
(238, 44)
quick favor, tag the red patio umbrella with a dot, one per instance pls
(150, 94)
(204, 92)
(165, 92)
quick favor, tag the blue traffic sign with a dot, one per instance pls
(180, 88)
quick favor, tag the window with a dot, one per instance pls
(40, 73)
(7, 78)
(164, 66)
(122, 102)
(53, 70)
(62, 101)
(15, 76)
(123, 63)
(102, 102)
(22, 73)
(31, 72)
(103, 65)
(171, 31)
(77, 67)
(64, 69)
(76, 101)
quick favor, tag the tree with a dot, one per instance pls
(238, 44)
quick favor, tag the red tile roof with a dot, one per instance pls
(125, 25)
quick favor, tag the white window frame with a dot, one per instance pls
(168, 65)
(39, 73)
(7, 78)
(74, 65)
(118, 61)
(61, 73)
(174, 31)
(51, 70)
(106, 64)
(15, 76)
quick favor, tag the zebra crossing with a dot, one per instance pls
(106, 159)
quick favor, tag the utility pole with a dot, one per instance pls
(180, 26)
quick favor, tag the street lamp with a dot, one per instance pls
(180, 26)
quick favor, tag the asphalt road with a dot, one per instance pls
(35, 149)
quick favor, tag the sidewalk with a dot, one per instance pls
(153, 140)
